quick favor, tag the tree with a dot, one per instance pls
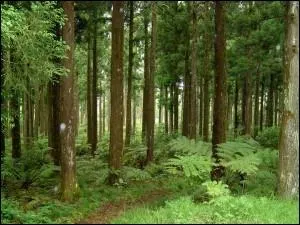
(69, 186)
(219, 115)
(150, 95)
(289, 133)
(116, 92)
(130, 63)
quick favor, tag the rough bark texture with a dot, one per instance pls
(151, 100)
(171, 109)
(236, 102)
(3, 110)
(219, 119)
(146, 74)
(129, 83)
(289, 134)
(94, 92)
(116, 91)
(201, 105)
(193, 97)
(69, 185)
(103, 115)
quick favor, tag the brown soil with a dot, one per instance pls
(111, 210)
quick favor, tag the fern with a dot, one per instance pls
(239, 157)
(190, 165)
(183, 146)
(216, 189)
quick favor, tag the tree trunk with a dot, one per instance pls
(160, 105)
(130, 64)
(247, 105)
(171, 107)
(116, 90)
(256, 104)
(89, 96)
(275, 106)
(270, 104)
(187, 81)
(201, 105)
(261, 122)
(146, 74)
(176, 94)
(15, 127)
(69, 187)
(3, 110)
(219, 119)
(151, 99)
(134, 116)
(289, 134)
(103, 114)
(94, 92)
(193, 97)
(206, 96)
(76, 105)
(166, 111)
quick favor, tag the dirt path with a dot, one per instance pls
(111, 210)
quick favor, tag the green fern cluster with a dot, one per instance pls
(190, 165)
(239, 157)
(216, 189)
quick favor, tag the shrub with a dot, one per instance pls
(269, 137)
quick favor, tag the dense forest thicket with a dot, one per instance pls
(149, 112)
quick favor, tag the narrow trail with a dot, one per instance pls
(112, 210)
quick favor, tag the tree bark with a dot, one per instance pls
(89, 97)
(15, 127)
(129, 83)
(201, 105)
(116, 91)
(69, 186)
(146, 74)
(270, 103)
(247, 105)
(187, 81)
(166, 110)
(289, 133)
(94, 92)
(176, 94)
(256, 102)
(262, 93)
(151, 99)
(219, 119)
(236, 102)
(206, 96)
(193, 97)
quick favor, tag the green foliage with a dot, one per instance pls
(239, 157)
(269, 137)
(223, 210)
(135, 155)
(190, 166)
(216, 189)
(130, 173)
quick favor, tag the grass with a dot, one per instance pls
(240, 209)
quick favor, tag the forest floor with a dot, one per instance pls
(112, 210)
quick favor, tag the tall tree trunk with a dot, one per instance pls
(219, 119)
(289, 133)
(206, 96)
(69, 187)
(151, 99)
(187, 81)
(262, 92)
(201, 105)
(89, 95)
(171, 107)
(3, 110)
(53, 110)
(76, 105)
(193, 97)
(37, 110)
(270, 103)
(160, 105)
(247, 105)
(146, 74)
(94, 92)
(116, 91)
(134, 116)
(130, 64)
(103, 114)
(176, 94)
(256, 104)
(15, 127)
(166, 110)
(100, 115)
(275, 106)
